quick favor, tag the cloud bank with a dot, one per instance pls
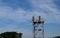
(13, 19)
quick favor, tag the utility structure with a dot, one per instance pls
(38, 27)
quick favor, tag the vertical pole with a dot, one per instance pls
(34, 36)
(43, 30)
(34, 30)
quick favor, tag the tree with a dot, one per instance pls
(11, 35)
(20, 35)
(1, 37)
(57, 37)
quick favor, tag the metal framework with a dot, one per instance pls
(38, 27)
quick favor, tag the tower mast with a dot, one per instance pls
(38, 27)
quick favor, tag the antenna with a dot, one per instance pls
(34, 20)
(38, 28)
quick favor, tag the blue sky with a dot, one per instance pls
(16, 15)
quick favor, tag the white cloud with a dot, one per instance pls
(48, 7)
(20, 15)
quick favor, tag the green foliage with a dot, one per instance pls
(57, 37)
(11, 35)
(1, 37)
(20, 35)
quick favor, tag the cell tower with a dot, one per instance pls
(38, 27)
